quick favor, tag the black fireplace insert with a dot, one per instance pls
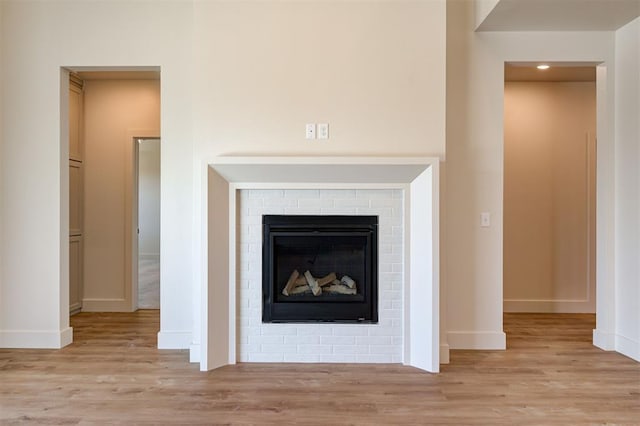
(320, 268)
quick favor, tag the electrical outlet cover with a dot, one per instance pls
(323, 130)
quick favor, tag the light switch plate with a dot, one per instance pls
(485, 219)
(310, 131)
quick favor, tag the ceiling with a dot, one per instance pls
(557, 72)
(560, 15)
(118, 75)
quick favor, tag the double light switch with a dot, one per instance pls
(317, 131)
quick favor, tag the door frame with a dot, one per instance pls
(132, 213)
(135, 212)
(130, 250)
(604, 333)
(576, 305)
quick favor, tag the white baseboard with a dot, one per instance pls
(174, 339)
(628, 347)
(194, 352)
(106, 305)
(603, 340)
(36, 339)
(616, 342)
(444, 353)
(550, 306)
(481, 340)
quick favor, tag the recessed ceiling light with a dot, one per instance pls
(543, 67)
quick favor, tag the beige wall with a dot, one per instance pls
(239, 77)
(475, 149)
(549, 197)
(373, 70)
(382, 90)
(1, 150)
(39, 40)
(115, 112)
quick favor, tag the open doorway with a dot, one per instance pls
(148, 184)
(113, 111)
(549, 190)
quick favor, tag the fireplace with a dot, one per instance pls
(320, 268)
(401, 192)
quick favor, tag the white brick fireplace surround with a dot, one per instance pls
(327, 342)
(403, 192)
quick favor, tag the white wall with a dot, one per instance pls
(243, 76)
(38, 38)
(475, 85)
(549, 196)
(115, 111)
(149, 198)
(627, 177)
(1, 150)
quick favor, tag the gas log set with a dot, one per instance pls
(308, 284)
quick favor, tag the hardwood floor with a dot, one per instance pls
(112, 373)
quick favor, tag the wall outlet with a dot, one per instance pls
(310, 131)
(323, 130)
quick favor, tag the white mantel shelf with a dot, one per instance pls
(343, 170)
(417, 176)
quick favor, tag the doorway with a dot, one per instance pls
(549, 189)
(148, 184)
(117, 108)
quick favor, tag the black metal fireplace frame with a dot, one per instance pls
(348, 309)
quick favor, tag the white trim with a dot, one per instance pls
(64, 196)
(616, 342)
(218, 286)
(444, 353)
(225, 175)
(316, 185)
(628, 347)
(422, 301)
(194, 352)
(603, 340)
(483, 340)
(36, 339)
(174, 339)
(233, 203)
(131, 201)
(106, 305)
(605, 208)
(549, 306)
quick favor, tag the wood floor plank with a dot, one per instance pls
(113, 374)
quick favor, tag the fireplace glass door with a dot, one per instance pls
(320, 268)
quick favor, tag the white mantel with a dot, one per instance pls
(417, 176)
